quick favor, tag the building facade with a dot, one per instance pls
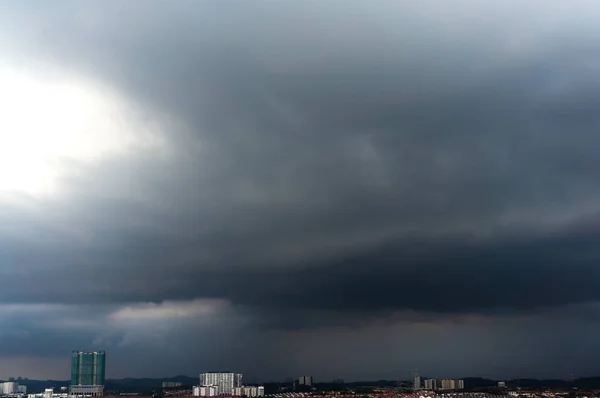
(430, 384)
(171, 384)
(9, 387)
(223, 381)
(88, 368)
(249, 391)
(416, 382)
(86, 391)
(12, 387)
(443, 385)
(452, 384)
(205, 391)
(88, 373)
(305, 381)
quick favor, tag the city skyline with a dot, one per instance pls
(343, 189)
(186, 386)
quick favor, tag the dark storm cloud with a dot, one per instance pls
(326, 164)
(340, 162)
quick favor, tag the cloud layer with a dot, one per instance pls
(286, 173)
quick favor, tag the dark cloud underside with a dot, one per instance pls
(318, 166)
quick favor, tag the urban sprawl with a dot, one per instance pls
(88, 369)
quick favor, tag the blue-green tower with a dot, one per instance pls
(88, 368)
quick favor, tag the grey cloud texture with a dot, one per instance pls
(317, 166)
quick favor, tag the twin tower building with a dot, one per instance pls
(88, 373)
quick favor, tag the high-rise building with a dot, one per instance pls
(430, 384)
(88, 368)
(451, 384)
(305, 381)
(88, 373)
(225, 382)
(448, 384)
(416, 382)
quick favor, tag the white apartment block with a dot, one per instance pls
(9, 387)
(224, 382)
(12, 388)
(452, 384)
(249, 391)
(205, 391)
(430, 384)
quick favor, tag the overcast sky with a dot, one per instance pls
(340, 188)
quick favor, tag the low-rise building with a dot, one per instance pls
(171, 384)
(86, 391)
(206, 391)
(249, 391)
